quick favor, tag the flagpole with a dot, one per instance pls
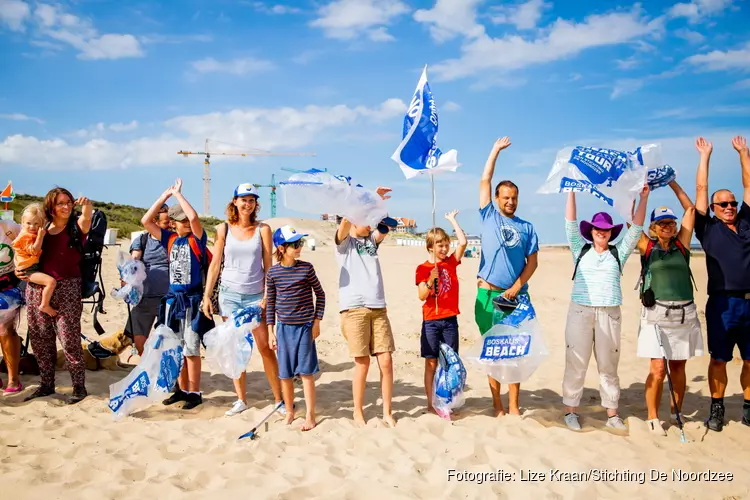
(434, 225)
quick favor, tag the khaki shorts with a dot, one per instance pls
(367, 331)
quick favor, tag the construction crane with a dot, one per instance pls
(273, 193)
(207, 170)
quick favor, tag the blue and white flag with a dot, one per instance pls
(418, 152)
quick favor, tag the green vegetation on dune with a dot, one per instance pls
(125, 218)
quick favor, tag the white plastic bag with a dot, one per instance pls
(154, 377)
(512, 350)
(314, 191)
(229, 346)
(615, 177)
(10, 300)
(449, 382)
(133, 273)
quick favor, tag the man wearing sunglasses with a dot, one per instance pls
(725, 238)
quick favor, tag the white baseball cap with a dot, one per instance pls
(246, 189)
(662, 213)
(286, 234)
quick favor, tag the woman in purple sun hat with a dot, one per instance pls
(594, 316)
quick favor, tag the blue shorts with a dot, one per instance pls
(296, 350)
(727, 325)
(437, 331)
(231, 301)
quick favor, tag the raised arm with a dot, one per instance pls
(383, 193)
(701, 177)
(682, 196)
(570, 207)
(688, 218)
(639, 216)
(740, 145)
(572, 233)
(87, 213)
(148, 219)
(343, 230)
(195, 222)
(462, 242)
(485, 183)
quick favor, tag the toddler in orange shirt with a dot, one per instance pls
(28, 247)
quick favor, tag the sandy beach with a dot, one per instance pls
(50, 450)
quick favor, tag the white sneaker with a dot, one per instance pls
(239, 407)
(571, 420)
(616, 423)
(654, 426)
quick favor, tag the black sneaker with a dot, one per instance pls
(715, 420)
(192, 400)
(179, 395)
(40, 392)
(79, 394)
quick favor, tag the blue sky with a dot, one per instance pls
(99, 95)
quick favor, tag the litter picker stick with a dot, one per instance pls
(434, 256)
(683, 439)
(251, 433)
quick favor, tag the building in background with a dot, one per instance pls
(405, 226)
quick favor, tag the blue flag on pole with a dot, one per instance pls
(418, 152)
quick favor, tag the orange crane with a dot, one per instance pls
(207, 167)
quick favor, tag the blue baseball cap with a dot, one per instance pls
(286, 234)
(662, 213)
(246, 189)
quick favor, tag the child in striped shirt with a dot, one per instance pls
(290, 286)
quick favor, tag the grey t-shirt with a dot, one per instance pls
(360, 279)
(157, 266)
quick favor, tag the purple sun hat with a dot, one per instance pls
(600, 220)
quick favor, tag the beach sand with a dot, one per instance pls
(50, 450)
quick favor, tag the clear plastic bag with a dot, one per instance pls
(449, 382)
(229, 346)
(512, 350)
(154, 377)
(615, 177)
(10, 301)
(133, 273)
(314, 191)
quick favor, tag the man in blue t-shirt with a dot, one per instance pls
(154, 256)
(508, 259)
(725, 238)
(185, 246)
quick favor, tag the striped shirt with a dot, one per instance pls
(289, 294)
(597, 281)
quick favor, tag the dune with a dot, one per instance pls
(51, 450)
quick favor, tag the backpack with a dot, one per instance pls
(587, 247)
(92, 282)
(647, 299)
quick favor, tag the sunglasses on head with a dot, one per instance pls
(725, 204)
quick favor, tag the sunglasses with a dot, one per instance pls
(670, 223)
(725, 204)
(297, 244)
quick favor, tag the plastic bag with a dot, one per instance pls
(512, 350)
(133, 273)
(229, 346)
(449, 382)
(154, 377)
(10, 301)
(315, 191)
(615, 177)
(660, 177)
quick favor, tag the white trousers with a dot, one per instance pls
(590, 329)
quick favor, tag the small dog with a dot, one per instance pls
(108, 353)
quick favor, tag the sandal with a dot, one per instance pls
(12, 390)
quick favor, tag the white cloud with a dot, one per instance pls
(274, 129)
(13, 14)
(19, 117)
(52, 22)
(625, 64)
(174, 39)
(277, 9)
(241, 66)
(450, 18)
(380, 35)
(742, 84)
(696, 10)
(625, 86)
(347, 19)
(124, 127)
(563, 39)
(690, 36)
(451, 106)
(524, 16)
(685, 113)
(718, 60)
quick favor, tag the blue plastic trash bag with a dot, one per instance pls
(449, 382)
(133, 273)
(660, 177)
(154, 377)
(513, 349)
(229, 345)
(615, 177)
(10, 300)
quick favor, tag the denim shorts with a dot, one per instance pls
(436, 332)
(231, 301)
(296, 350)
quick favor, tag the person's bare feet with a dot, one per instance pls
(359, 419)
(432, 410)
(389, 420)
(48, 310)
(515, 411)
(309, 423)
(289, 417)
(499, 412)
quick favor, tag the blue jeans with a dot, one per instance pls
(231, 301)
